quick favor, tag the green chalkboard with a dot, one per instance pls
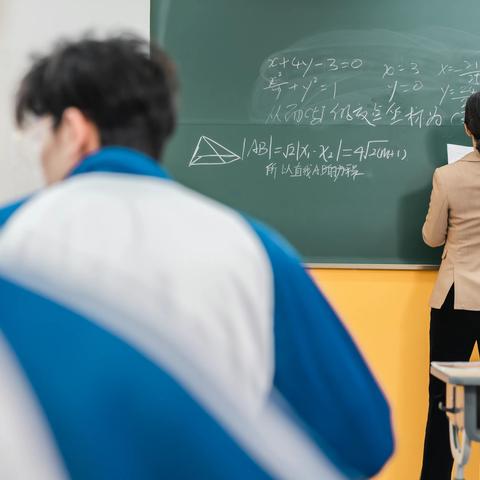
(325, 119)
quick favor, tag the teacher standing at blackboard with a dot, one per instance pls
(453, 220)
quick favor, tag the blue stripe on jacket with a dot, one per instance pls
(113, 413)
(8, 210)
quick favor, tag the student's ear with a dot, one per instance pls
(78, 134)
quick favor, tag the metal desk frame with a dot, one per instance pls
(462, 407)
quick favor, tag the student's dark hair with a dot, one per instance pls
(472, 117)
(123, 84)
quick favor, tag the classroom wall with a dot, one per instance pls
(32, 25)
(387, 313)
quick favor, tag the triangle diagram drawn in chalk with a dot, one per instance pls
(210, 152)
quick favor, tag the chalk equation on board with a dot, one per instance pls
(297, 159)
(418, 79)
(315, 91)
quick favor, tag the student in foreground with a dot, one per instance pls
(115, 238)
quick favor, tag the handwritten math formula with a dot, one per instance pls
(267, 148)
(309, 90)
(302, 160)
(299, 159)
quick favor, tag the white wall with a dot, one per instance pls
(33, 25)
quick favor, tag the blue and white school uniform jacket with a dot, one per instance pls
(78, 402)
(119, 239)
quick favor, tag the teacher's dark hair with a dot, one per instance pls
(472, 117)
(123, 84)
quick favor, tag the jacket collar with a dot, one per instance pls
(109, 159)
(120, 160)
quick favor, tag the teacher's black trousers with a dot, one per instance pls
(453, 334)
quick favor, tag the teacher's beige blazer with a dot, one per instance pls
(453, 219)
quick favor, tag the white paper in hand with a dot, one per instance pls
(456, 152)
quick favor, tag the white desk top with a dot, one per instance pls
(457, 373)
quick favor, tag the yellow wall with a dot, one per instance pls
(387, 313)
